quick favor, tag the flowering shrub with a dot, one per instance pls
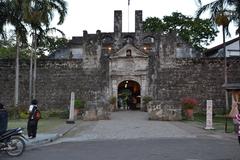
(189, 103)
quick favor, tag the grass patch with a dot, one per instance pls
(44, 125)
(219, 122)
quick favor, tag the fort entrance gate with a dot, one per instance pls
(128, 76)
(129, 95)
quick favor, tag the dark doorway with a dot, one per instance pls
(129, 95)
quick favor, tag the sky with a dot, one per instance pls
(92, 15)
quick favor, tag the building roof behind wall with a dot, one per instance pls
(214, 50)
(232, 86)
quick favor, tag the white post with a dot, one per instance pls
(209, 121)
(71, 109)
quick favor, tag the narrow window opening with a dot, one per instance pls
(129, 53)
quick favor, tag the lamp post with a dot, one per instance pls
(225, 77)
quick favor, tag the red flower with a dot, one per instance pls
(189, 103)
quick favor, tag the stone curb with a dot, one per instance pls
(43, 138)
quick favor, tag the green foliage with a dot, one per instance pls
(35, 19)
(222, 12)
(20, 112)
(8, 50)
(146, 99)
(45, 114)
(64, 114)
(23, 115)
(55, 113)
(13, 112)
(59, 114)
(195, 31)
(112, 100)
(78, 103)
(153, 24)
(219, 121)
(53, 43)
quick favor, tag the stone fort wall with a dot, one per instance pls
(199, 78)
(56, 79)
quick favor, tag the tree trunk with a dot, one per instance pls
(34, 65)
(31, 75)
(225, 68)
(16, 95)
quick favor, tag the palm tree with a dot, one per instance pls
(222, 13)
(232, 11)
(39, 14)
(11, 13)
(236, 18)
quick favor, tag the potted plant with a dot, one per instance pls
(146, 100)
(188, 104)
(78, 106)
(112, 101)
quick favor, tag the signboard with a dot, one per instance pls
(209, 121)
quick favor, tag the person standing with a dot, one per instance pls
(234, 111)
(3, 119)
(34, 116)
(238, 121)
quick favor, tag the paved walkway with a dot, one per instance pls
(133, 125)
(43, 138)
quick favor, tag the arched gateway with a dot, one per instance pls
(128, 76)
(129, 95)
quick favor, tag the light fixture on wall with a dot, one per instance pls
(126, 83)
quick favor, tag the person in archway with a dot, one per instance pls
(134, 102)
(120, 102)
(129, 102)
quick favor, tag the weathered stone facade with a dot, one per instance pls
(99, 66)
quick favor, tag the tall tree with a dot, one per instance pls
(12, 13)
(39, 14)
(195, 31)
(236, 18)
(222, 12)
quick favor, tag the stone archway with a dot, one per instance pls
(129, 95)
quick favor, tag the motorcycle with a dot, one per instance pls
(13, 142)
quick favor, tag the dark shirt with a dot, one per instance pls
(3, 120)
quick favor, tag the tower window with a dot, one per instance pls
(128, 53)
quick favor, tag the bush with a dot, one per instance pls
(112, 100)
(189, 103)
(78, 104)
(45, 114)
(146, 99)
(53, 114)
(13, 112)
(23, 115)
(64, 114)
(20, 112)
